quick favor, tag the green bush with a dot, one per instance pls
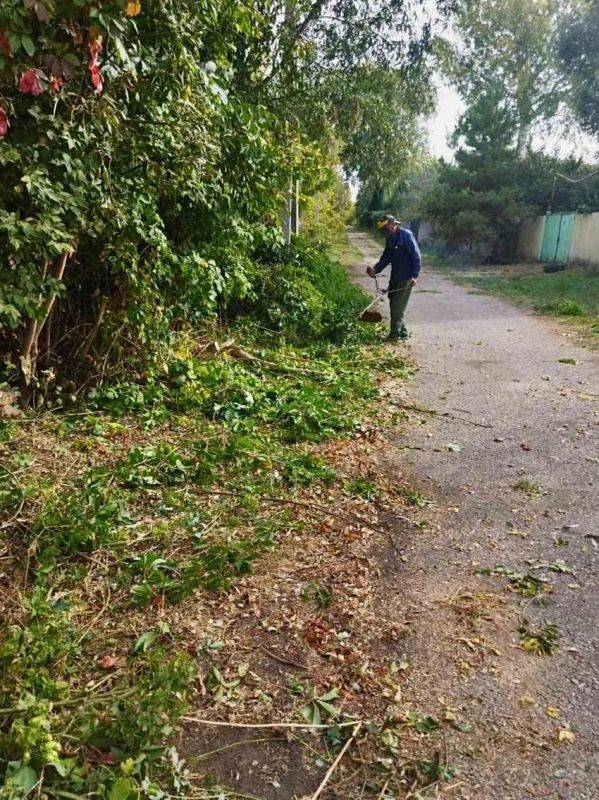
(302, 294)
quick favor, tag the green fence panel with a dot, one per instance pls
(557, 237)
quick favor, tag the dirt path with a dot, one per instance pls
(519, 417)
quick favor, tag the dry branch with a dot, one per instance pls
(351, 519)
(433, 413)
(335, 763)
(301, 725)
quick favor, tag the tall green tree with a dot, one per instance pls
(579, 50)
(509, 48)
(477, 201)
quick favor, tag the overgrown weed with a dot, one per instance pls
(157, 491)
(173, 492)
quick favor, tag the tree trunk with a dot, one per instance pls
(28, 355)
(523, 138)
(295, 212)
(47, 346)
(91, 336)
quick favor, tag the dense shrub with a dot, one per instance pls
(147, 150)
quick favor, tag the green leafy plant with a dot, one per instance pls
(143, 718)
(321, 596)
(155, 465)
(436, 770)
(540, 641)
(224, 689)
(320, 708)
(368, 490)
(213, 566)
(305, 469)
(91, 515)
(38, 660)
(422, 724)
(525, 583)
(527, 487)
(415, 498)
(569, 308)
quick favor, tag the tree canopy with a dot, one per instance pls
(578, 49)
(505, 65)
(508, 48)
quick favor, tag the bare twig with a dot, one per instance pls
(304, 725)
(79, 700)
(283, 660)
(62, 793)
(351, 519)
(434, 413)
(84, 348)
(335, 763)
(452, 786)
(93, 622)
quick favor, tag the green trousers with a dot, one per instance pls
(398, 300)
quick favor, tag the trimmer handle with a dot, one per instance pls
(378, 288)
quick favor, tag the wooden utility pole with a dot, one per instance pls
(290, 217)
(295, 214)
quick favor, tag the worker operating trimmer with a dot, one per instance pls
(402, 252)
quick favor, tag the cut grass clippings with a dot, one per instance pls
(174, 546)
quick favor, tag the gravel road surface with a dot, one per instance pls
(507, 455)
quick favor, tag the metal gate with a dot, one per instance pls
(557, 237)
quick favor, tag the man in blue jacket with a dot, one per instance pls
(402, 252)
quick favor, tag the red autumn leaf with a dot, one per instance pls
(4, 123)
(315, 633)
(95, 48)
(96, 78)
(107, 662)
(30, 83)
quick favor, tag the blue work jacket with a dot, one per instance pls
(403, 253)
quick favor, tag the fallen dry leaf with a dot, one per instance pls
(526, 700)
(566, 736)
(102, 757)
(107, 662)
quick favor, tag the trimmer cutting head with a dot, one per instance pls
(371, 316)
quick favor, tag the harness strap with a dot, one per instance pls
(386, 291)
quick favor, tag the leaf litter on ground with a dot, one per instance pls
(143, 584)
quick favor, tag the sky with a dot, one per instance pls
(441, 124)
(565, 141)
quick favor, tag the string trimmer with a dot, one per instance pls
(375, 316)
